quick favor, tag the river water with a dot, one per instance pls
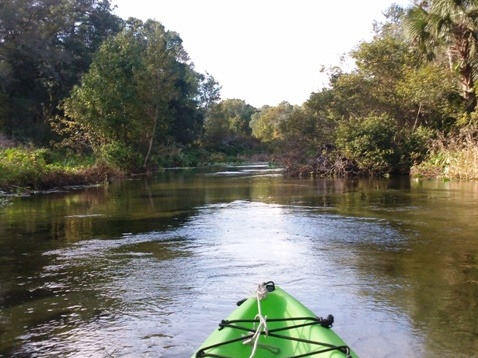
(148, 267)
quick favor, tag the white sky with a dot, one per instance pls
(264, 51)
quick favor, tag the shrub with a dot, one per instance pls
(452, 157)
(120, 156)
(24, 167)
(379, 146)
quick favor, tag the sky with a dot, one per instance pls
(264, 51)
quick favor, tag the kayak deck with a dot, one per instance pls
(274, 326)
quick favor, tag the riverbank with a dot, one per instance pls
(24, 170)
(451, 158)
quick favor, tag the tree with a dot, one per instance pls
(382, 66)
(266, 124)
(160, 80)
(379, 146)
(102, 113)
(45, 47)
(432, 91)
(210, 91)
(450, 27)
(227, 124)
(377, 116)
(391, 78)
(140, 94)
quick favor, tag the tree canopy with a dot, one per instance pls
(448, 27)
(140, 94)
(227, 125)
(45, 47)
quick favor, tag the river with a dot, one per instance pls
(148, 267)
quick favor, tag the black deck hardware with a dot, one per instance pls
(322, 347)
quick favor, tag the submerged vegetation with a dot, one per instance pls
(86, 96)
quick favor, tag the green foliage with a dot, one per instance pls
(140, 94)
(99, 110)
(452, 157)
(393, 79)
(305, 132)
(266, 124)
(448, 28)
(431, 89)
(141, 105)
(381, 65)
(369, 142)
(23, 167)
(218, 157)
(227, 126)
(195, 157)
(379, 146)
(45, 47)
(384, 111)
(118, 155)
(209, 91)
(180, 156)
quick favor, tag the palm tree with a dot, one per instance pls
(450, 25)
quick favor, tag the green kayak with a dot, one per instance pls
(273, 324)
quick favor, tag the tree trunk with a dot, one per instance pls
(468, 87)
(151, 141)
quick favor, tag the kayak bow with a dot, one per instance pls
(273, 324)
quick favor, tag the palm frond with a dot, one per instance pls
(415, 23)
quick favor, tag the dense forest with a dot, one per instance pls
(85, 95)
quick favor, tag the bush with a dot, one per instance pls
(120, 156)
(379, 146)
(452, 157)
(24, 167)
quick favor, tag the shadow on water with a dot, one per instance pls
(123, 270)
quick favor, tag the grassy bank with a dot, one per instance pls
(23, 169)
(452, 158)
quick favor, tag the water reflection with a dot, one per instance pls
(148, 267)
